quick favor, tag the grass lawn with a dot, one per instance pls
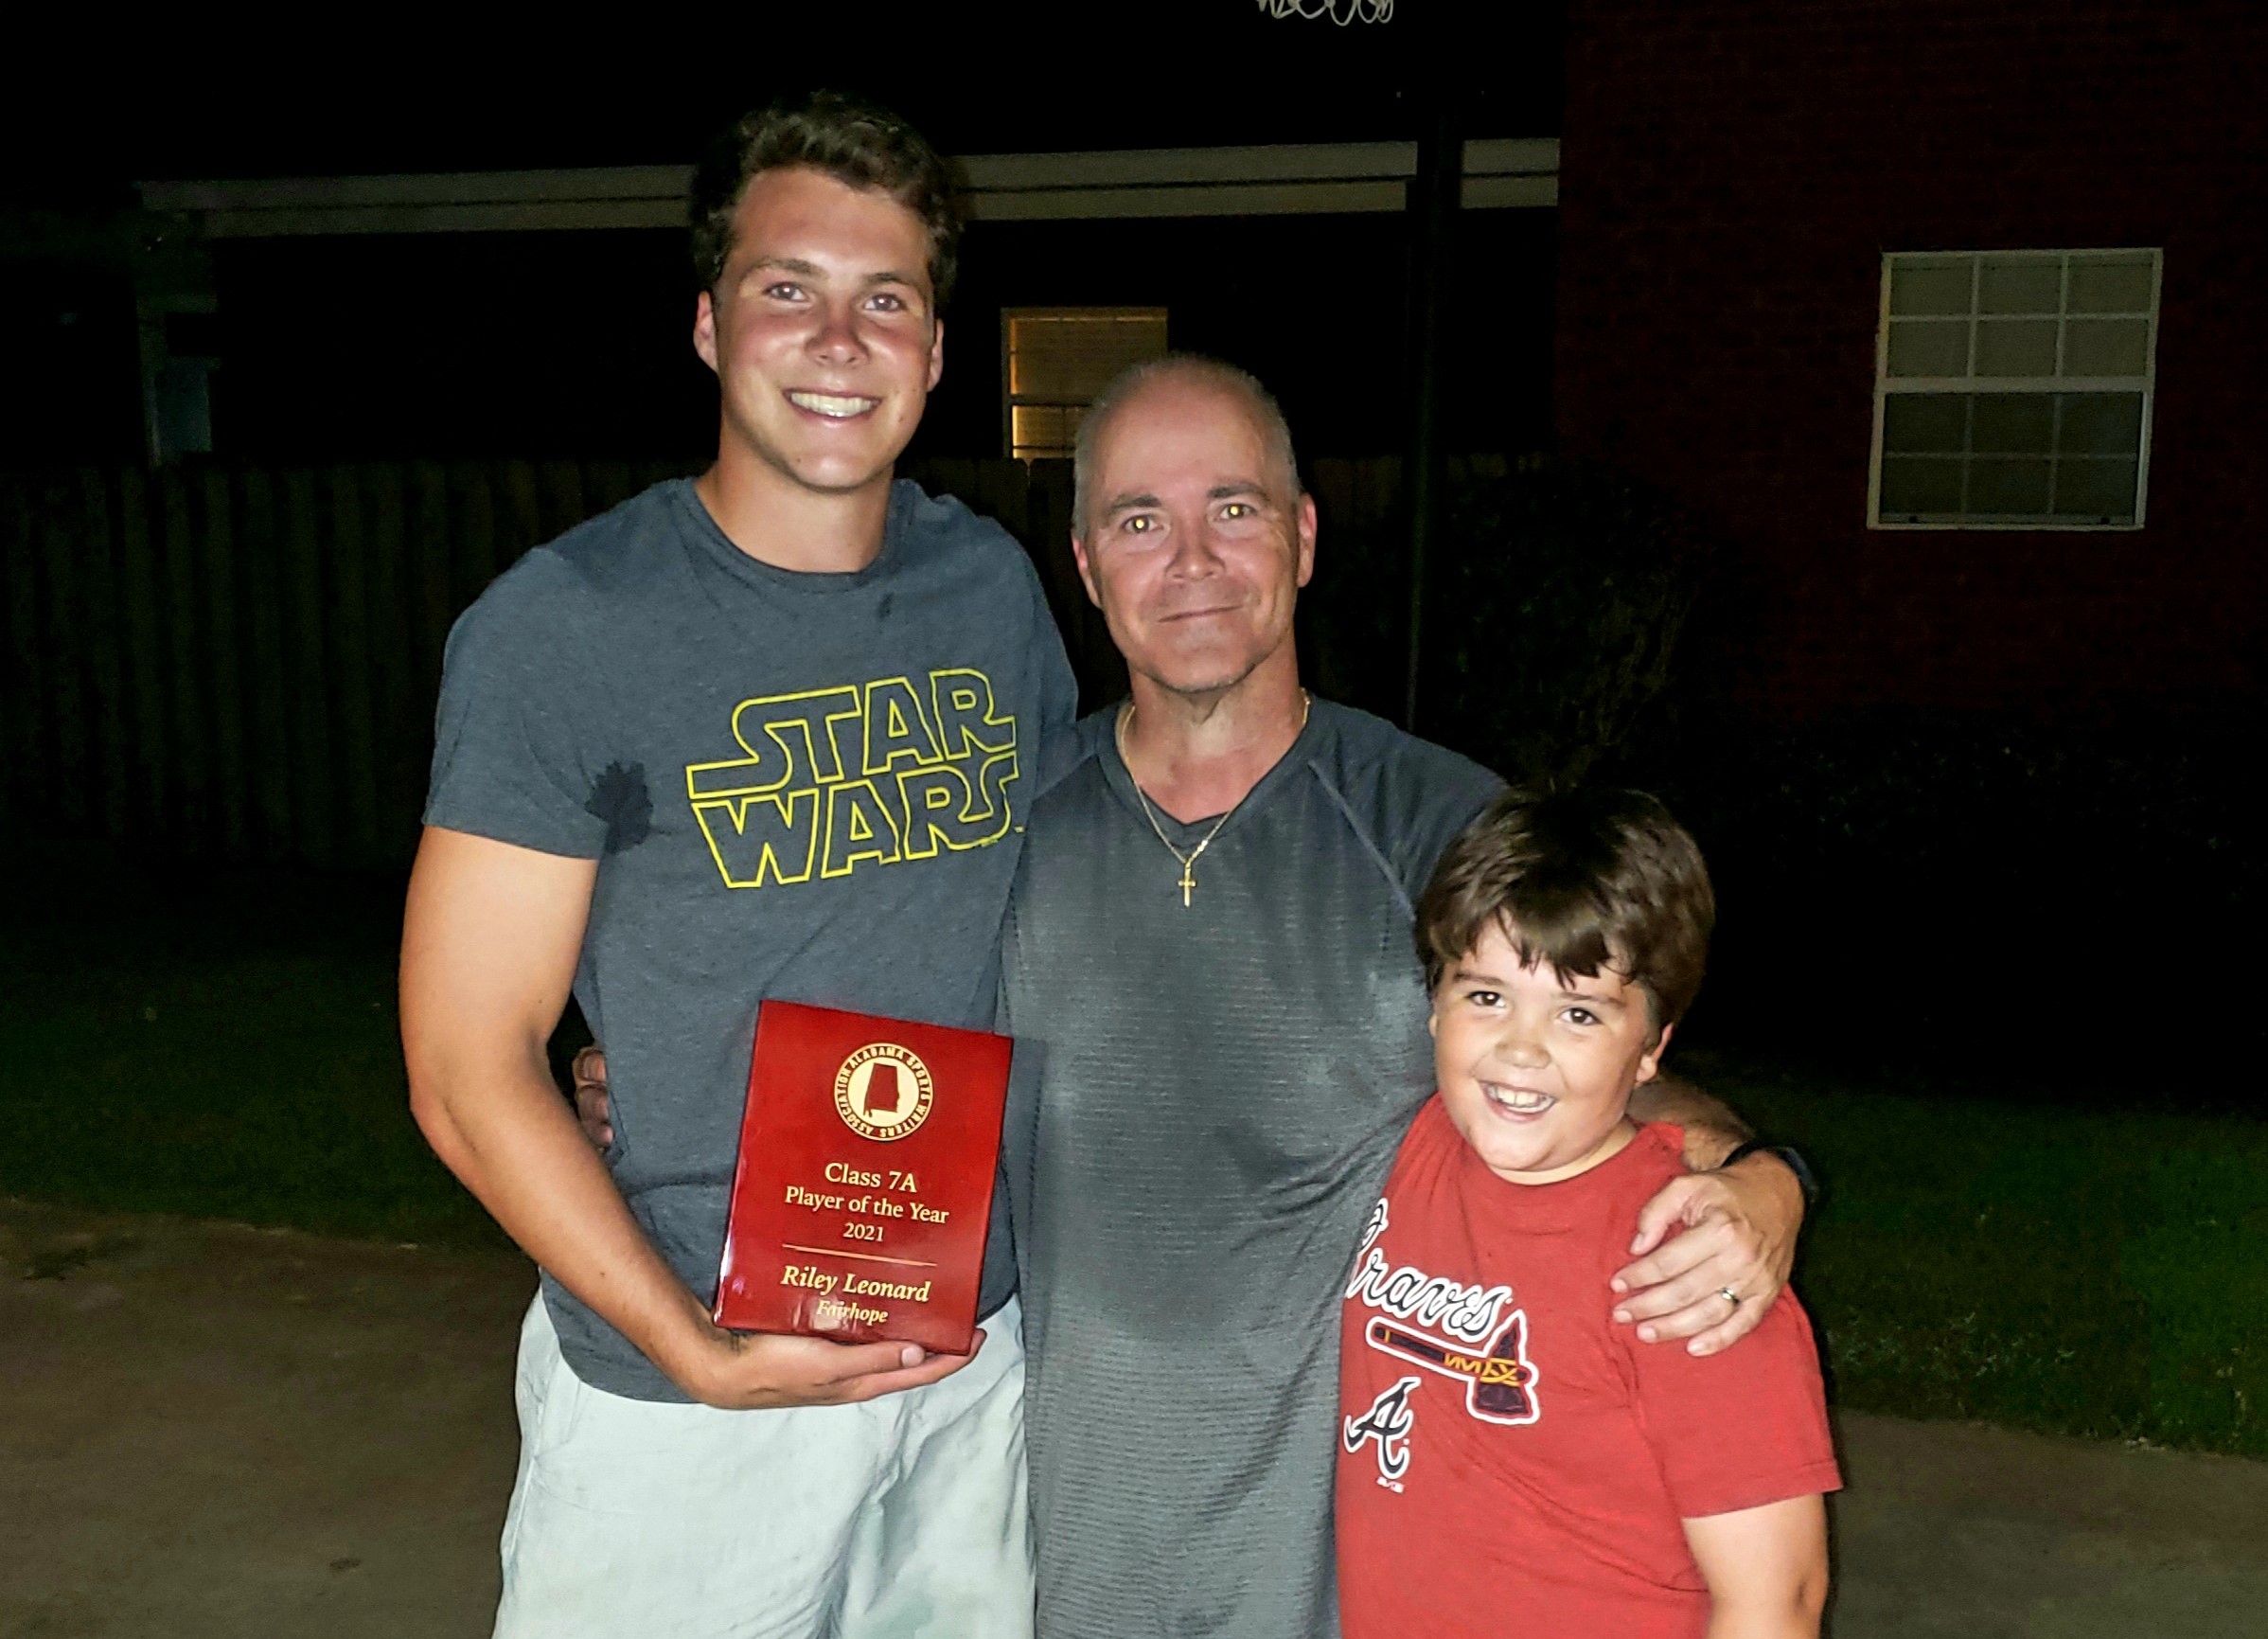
(225, 1047)
(222, 1048)
(2088, 1272)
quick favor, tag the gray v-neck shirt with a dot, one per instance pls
(1221, 1089)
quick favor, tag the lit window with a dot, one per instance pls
(2012, 389)
(1059, 360)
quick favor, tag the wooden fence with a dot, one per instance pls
(240, 662)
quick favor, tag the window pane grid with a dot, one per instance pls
(2012, 388)
(2060, 458)
(1995, 321)
(1055, 360)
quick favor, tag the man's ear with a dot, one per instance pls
(937, 353)
(1078, 556)
(1649, 1065)
(1306, 527)
(704, 329)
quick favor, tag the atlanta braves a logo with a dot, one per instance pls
(1388, 1423)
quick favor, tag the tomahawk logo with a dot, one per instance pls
(1388, 1422)
(1499, 1382)
(1484, 1349)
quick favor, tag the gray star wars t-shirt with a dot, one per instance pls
(808, 786)
(1220, 1092)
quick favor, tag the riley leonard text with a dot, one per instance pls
(813, 1278)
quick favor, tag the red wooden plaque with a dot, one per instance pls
(865, 1187)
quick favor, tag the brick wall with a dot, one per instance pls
(1732, 173)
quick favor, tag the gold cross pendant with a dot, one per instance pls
(1188, 883)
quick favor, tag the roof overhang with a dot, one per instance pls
(1308, 179)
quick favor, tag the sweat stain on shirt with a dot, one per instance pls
(619, 797)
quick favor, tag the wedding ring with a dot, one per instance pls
(1730, 1295)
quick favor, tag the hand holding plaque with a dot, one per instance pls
(863, 1192)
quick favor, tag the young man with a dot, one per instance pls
(1210, 945)
(1510, 1462)
(766, 734)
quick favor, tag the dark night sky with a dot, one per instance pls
(1135, 73)
(369, 347)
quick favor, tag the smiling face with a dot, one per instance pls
(1198, 542)
(822, 330)
(1536, 1068)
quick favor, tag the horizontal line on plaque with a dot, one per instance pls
(862, 1256)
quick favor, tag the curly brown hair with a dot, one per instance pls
(1587, 879)
(842, 136)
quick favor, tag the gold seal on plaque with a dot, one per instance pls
(884, 1092)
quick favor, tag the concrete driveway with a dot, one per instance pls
(214, 1431)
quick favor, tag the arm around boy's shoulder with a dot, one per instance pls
(1716, 1243)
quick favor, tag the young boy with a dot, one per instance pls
(1510, 1462)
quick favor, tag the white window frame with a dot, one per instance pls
(1974, 384)
(1011, 401)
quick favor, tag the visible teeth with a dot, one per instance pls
(1526, 1103)
(828, 404)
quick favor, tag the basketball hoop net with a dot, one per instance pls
(1340, 11)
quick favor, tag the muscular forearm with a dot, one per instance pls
(489, 942)
(503, 1129)
(1713, 1132)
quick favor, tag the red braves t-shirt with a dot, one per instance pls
(1510, 1460)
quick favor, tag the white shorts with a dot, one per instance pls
(903, 1515)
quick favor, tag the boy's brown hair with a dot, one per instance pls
(853, 141)
(1585, 879)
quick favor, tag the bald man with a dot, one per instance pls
(1210, 940)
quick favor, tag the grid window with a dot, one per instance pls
(2012, 389)
(1058, 360)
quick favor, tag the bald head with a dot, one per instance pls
(1192, 535)
(1192, 369)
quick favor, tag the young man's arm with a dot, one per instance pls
(488, 951)
(1740, 1230)
(1767, 1569)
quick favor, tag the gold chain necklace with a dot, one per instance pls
(1188, 881)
